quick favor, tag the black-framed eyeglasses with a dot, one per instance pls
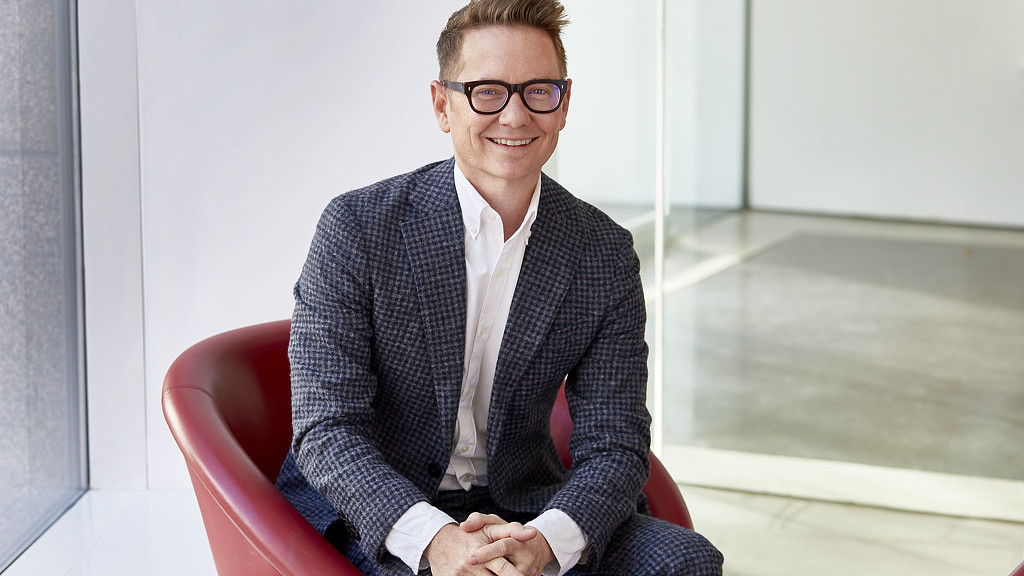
(491, 96)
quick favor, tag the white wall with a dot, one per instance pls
(893, 108)
(253, 115)
(112, 245)
(206, 167)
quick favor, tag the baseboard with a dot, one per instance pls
(848, 483)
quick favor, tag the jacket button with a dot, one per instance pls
(434, 470)
(351, 530)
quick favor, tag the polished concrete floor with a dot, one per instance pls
(888, 344)
(885, 344)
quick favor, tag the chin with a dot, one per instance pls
(516, 174)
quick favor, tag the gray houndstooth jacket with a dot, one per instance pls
(377, 346)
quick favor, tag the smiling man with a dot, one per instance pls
(436, 317)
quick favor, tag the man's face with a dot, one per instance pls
(507, 149)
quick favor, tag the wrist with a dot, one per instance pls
(563, 538)
(413, 532)
(436, 544)
(544, 552)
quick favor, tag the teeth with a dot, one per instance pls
(505, 142)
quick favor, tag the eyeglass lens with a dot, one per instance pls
(539, 97)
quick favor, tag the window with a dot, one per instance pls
(42, 448)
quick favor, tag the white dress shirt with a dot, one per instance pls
(492, 272)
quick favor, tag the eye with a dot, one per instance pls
(489, 93)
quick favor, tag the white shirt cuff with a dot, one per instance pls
(413, 532)
(567, 541)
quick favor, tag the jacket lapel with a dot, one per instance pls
(554, 249)
(435, 245)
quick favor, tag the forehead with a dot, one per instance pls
(512, 54)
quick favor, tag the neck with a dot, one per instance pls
(511, 200)
(511, 207)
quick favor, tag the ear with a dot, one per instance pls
(564, 110)
(439, 95)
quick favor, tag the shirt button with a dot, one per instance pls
(492, 217)
(464, 449)
(473, 229)
(499, 273)
(465, 478)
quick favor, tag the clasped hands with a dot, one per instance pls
(486, 544)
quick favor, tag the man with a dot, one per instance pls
(436, 318)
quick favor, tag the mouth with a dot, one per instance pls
(512, 143)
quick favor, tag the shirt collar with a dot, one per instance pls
(473, 204)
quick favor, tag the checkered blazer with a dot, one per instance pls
(377, 346)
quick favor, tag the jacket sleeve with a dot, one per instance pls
(606, 392)
(333, 386)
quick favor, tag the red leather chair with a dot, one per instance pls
(227, 401)
(1019, 570)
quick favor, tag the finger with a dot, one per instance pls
(492, 551)
(524, 533)
(502, 567)
(495, 532)
(507, 548)
(476, 521)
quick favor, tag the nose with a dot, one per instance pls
(515, 113)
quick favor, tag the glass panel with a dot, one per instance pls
(704, 51)
(42, 465)
(660, 168)
(607, 152)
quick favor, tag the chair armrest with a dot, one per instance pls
(260, 513)
(664, 497)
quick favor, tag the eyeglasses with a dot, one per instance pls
(491, 96)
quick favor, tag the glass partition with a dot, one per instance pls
(655, 137)
(822, 357)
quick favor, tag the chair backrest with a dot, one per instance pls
(227, 401)
(246, 374)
